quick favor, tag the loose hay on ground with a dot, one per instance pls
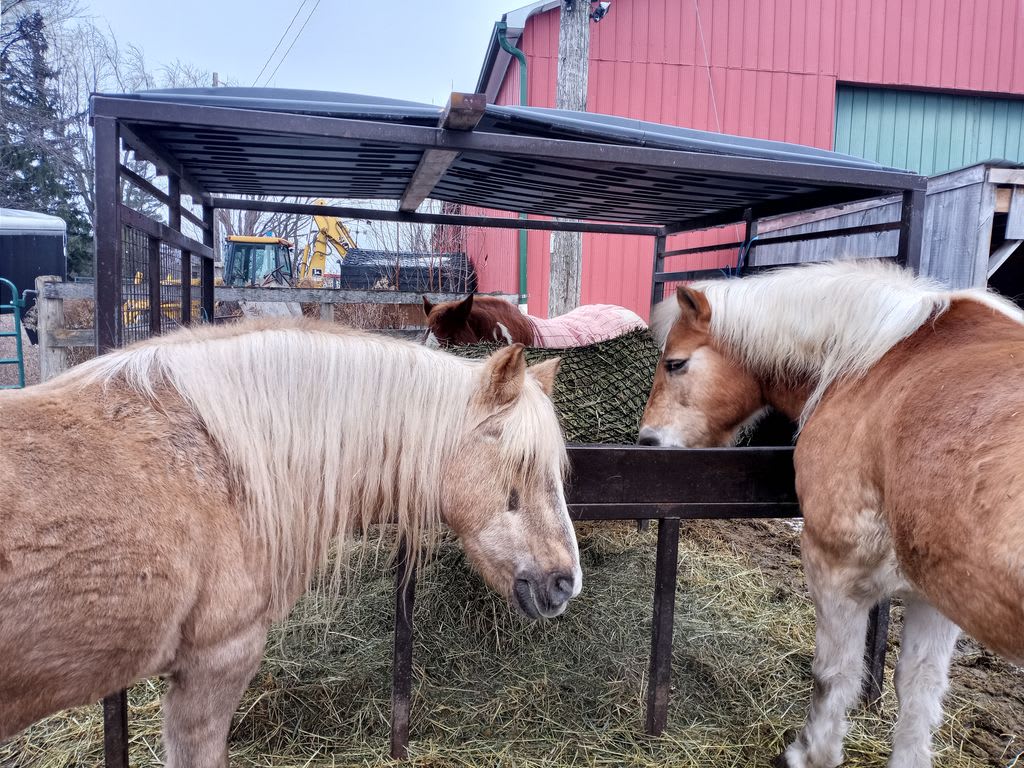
(493, 690)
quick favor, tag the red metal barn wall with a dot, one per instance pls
(774, 66)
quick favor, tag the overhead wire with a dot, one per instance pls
(294, 40)
(279, 41)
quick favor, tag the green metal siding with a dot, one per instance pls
(927, 132)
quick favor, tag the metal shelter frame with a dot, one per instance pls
(610, 177)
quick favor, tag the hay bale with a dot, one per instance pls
(601, 389)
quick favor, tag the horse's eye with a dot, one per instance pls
(676, 366)
(513, 500)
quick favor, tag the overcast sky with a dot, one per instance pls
(419, 50)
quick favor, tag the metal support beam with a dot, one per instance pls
(107, 262)
(657, 293)
(174, 202)
(153, 272)
(659, 679)
(158, 229)
(206, 279)
(834, 196)
(462, 113)
(186, 287)
(497, 222)
(160, 157)
(749, 233)
(705, 248)
(115, 730)
(401, 670)
(142, 183)
(876, 645)
(432, 166)
(912, 229)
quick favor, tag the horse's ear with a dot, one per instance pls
(427, 306)
(694, 306)
(460, 312)
(545, 373)
(504, 375)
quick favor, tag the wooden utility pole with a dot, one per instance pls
(573, 60)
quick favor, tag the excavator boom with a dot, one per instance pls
(330, 233)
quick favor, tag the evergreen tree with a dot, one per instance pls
(33, 173)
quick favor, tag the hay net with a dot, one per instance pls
(601, 389)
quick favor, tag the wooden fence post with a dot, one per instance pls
(53, 360)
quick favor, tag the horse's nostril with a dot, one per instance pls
(561, 588)
(648, 437)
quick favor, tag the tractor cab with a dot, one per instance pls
(257, 261)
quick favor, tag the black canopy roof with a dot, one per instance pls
(526, 159)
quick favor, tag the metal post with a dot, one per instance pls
(912, 228)
(107, 268)
(661, 631)
(749, 233)
(153, 270)
(401, 670)
(186, 288)
(115, 730)
(107, 264)
(877, 643)
(206, 282)
(657, 295)
(174, 202)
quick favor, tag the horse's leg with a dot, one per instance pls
(204, 693)
(841, 609)
(922, 676)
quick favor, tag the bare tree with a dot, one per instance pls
(89, 59)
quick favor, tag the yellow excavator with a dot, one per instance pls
(330, 233)
(265, 261)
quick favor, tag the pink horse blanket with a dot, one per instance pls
(584, 325)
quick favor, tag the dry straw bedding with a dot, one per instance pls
(493, 690)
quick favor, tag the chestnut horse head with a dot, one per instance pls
(476, 319)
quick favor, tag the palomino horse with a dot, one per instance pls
(478, 319)
(908, 462)
(164, 504)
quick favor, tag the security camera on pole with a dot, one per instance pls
(571, 93)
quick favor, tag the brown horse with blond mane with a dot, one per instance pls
(908, 462)
(165, 503)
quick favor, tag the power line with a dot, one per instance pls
(280, 40)
(294, 39)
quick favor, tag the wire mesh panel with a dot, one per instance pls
(170, 288)
(153, 288)
(134, 316)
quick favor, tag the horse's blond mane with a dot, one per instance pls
(327, 431)
(825, 322)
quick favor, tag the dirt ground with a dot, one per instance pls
(986, 695)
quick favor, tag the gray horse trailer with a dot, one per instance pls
(31, 244)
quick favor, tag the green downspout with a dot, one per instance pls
(501, 28)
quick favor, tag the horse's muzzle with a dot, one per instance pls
(648, 436)
(544, 597)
